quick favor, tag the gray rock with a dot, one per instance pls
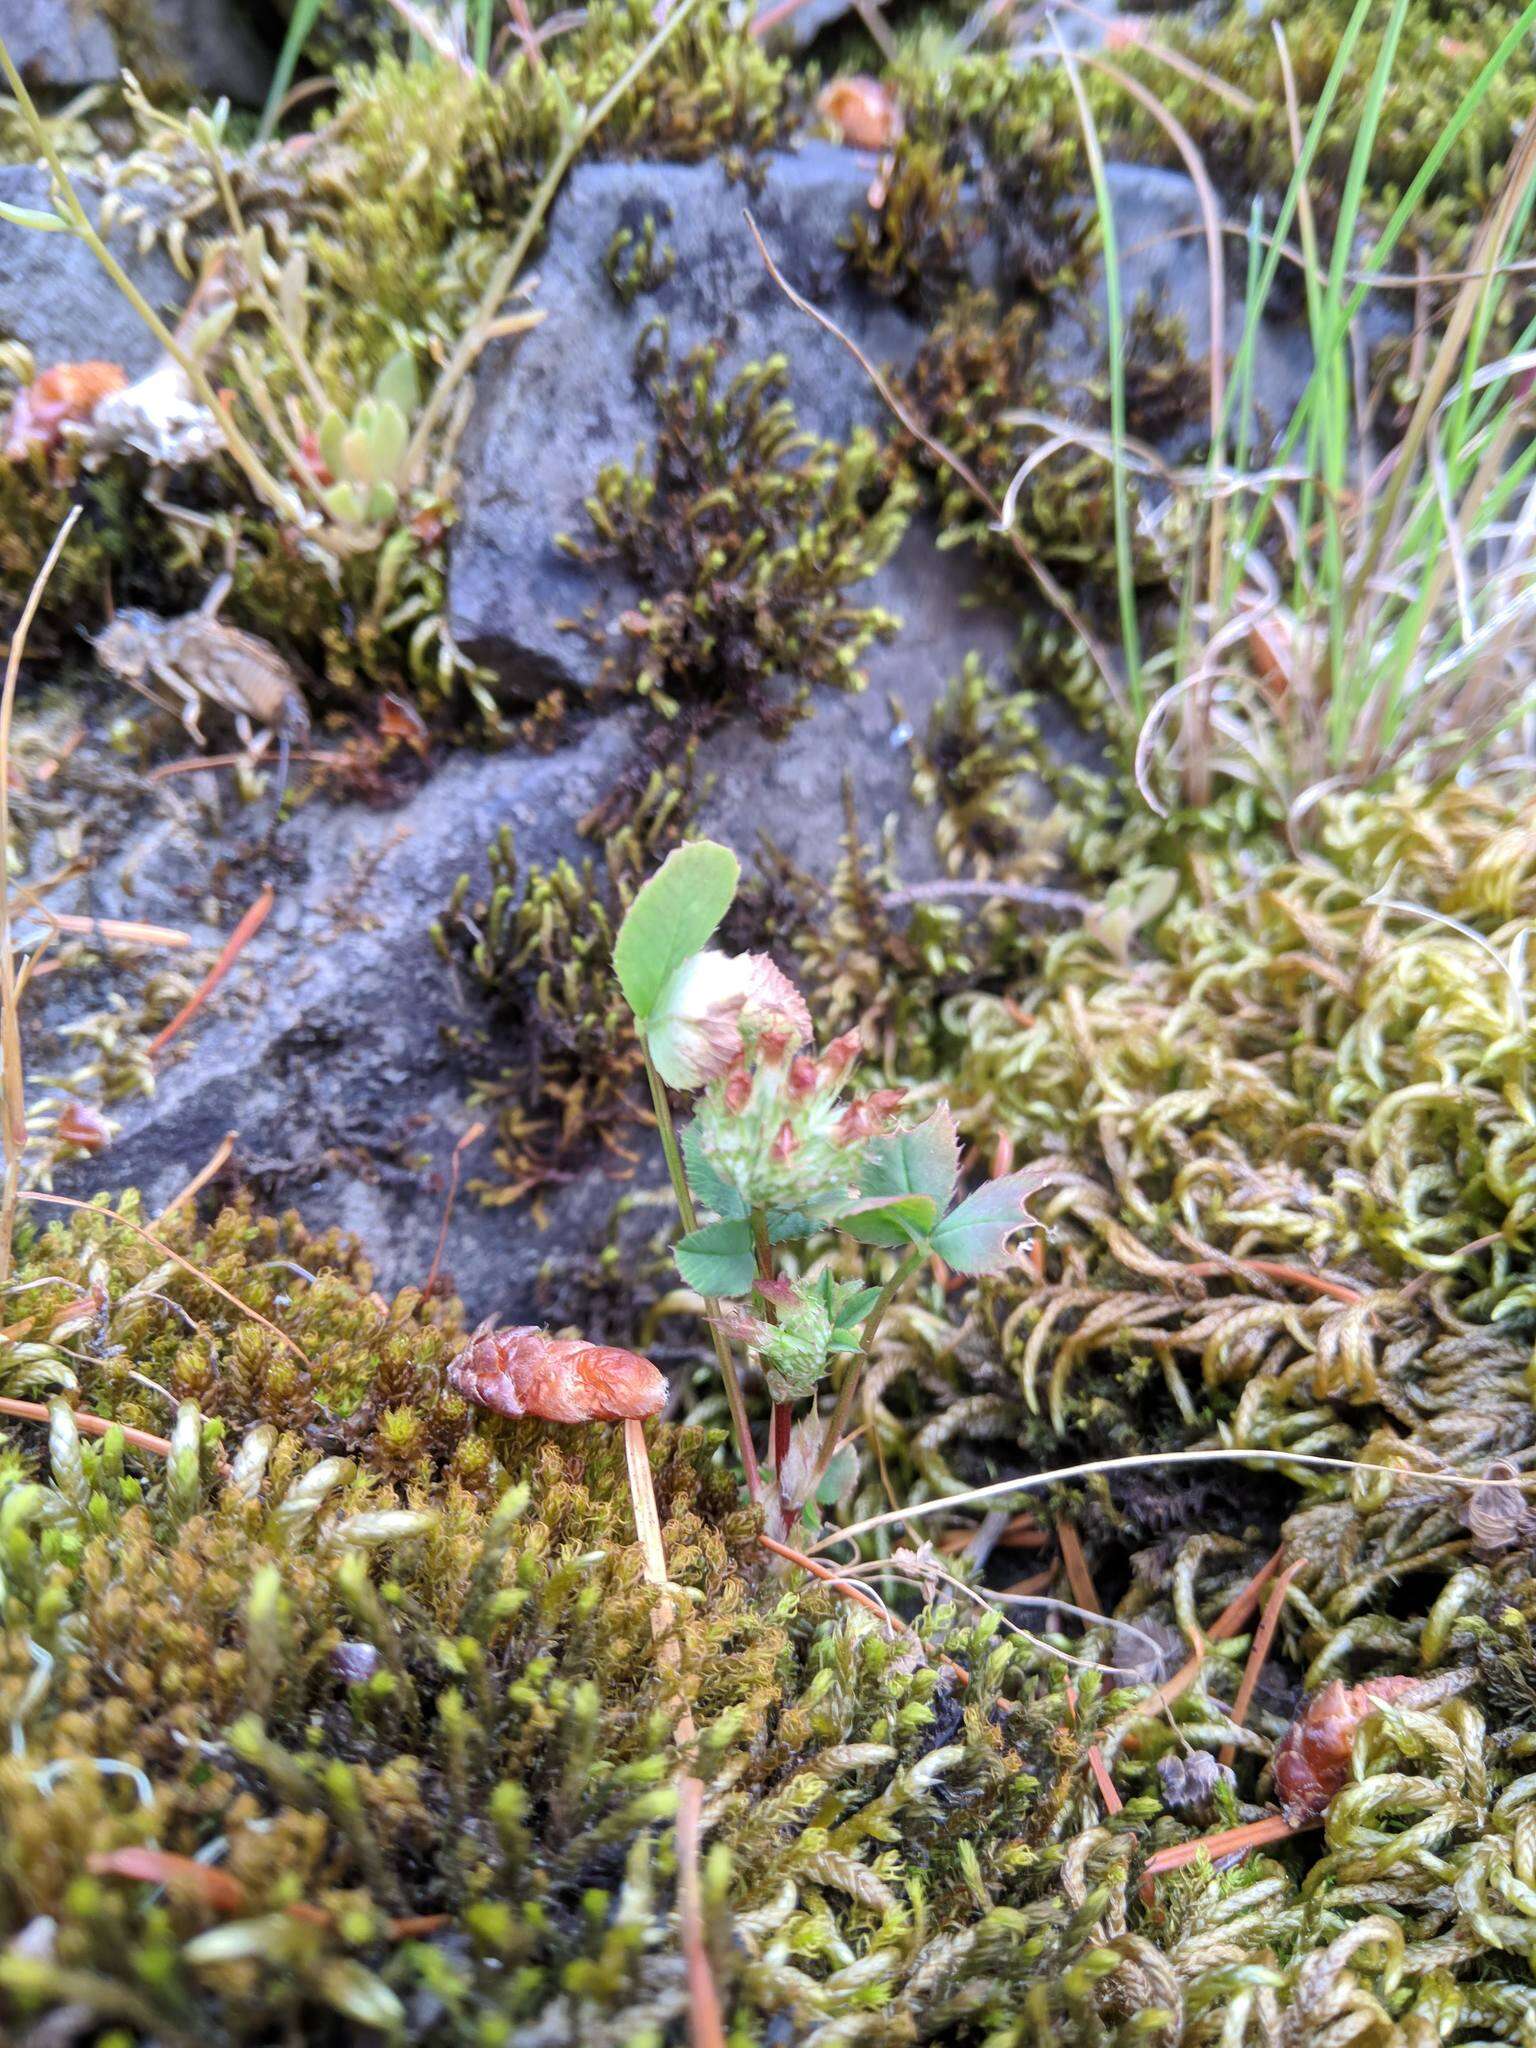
(56, 43)
(554, 407)
(56, 297)
(1160, 231)
(62, 45)
(326, 1051)
(801, 24)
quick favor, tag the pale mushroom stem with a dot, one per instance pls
(647, 1521)
(706, 2021)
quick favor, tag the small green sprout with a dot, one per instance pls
(366, 454)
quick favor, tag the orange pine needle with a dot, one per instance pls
(1227, 1623)
(1276, 1269)
(215, 1164)
(1079, 1577)
(234, 946)
(1263, 1637)
(88, 1425)
(1253, 1834)
(1103, 1780)
(215, 1888)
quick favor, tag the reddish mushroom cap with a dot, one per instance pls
(524, 1371)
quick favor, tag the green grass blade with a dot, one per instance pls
(481, 43)
(300, 27)
(1125, 567)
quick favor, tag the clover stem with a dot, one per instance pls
(838, 1421)
(735, 1399)
(706, 2024)
(782, 1424)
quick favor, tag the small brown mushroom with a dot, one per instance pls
(523, 1371)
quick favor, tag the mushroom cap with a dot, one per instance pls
(524, 1371)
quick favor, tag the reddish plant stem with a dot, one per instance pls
(735, 1399)
(475, 1132)
(234, 946)
(1264, 1635)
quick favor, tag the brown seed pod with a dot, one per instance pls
(861, 110)
(1312, 1757)
(524, 1371)
(1496, 1511)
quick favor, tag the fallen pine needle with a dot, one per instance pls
(221, 1892)
(1253, 1834)
(234, 946)
(1276, 1269)
(1103, 1780)
(88, 1425)
(858, 1596)
(120, 931)
(1079, 1577)
(1269, 1621)
(1227, 1623)
(203, 1175)
(706, 2022)
(217, 1890)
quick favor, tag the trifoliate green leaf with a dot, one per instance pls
(890, 1219)
(921, 1161)
(975, 1237)
(718, 1259)
(710, 1187)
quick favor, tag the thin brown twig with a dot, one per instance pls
(1079, 1577)
(1275, 1269)
(234, 946)
(217, 1161)
(13, 1110)
(1227, 1623)
(1264, 1635)
(1037, 569)
(1108, 1791)
(1253, 1834)
(475, 1131)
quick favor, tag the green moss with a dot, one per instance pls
(634, 264)
(980, 368)
(742, 536)
(539, 949)
(421, 1737)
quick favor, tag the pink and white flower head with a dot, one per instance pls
(716, 1008)
(778, 1127)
